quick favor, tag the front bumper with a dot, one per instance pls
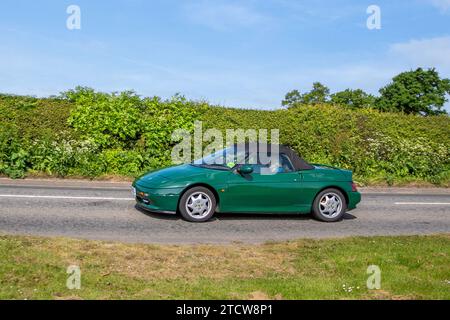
(146, 208)
(163, 200)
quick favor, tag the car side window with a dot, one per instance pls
(258, 167)
(284, 165)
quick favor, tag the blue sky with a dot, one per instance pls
(245, 53)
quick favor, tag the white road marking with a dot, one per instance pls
(64, 197)
(38, 186)
(424, 203)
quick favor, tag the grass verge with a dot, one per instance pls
(412, 267)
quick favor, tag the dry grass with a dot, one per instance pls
(172, 261)
(416, 267)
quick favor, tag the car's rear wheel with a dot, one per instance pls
(197, 204)
(329, 205)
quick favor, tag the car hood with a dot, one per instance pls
(175, 176)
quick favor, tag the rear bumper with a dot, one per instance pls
(353, 199)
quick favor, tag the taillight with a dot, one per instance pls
(354, 188)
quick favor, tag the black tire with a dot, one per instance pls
(195, 214)
(322, 213)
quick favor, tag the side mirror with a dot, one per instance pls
(245, 169)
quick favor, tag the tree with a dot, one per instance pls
(415, 92)
(318, 95)
(354, 99)
(293, 97)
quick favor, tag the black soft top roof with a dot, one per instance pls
(297, 161)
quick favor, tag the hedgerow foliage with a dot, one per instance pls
(375, 145)
(88, 133)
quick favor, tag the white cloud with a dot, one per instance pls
(433, 52)
(443, 5)
(223, 15)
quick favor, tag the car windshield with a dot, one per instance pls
(226, 158)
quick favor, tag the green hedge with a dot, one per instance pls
(376, 146)
(86, 133)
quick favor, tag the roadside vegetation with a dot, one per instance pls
(412, 267)
(84, 133)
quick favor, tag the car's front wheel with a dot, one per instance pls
(329, 205)
(197, 204)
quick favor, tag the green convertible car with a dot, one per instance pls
(235, 180)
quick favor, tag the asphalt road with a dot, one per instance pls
(106, 211)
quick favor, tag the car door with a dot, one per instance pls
(258, 192)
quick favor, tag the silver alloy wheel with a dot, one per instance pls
(198, 205)
(330, 205)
